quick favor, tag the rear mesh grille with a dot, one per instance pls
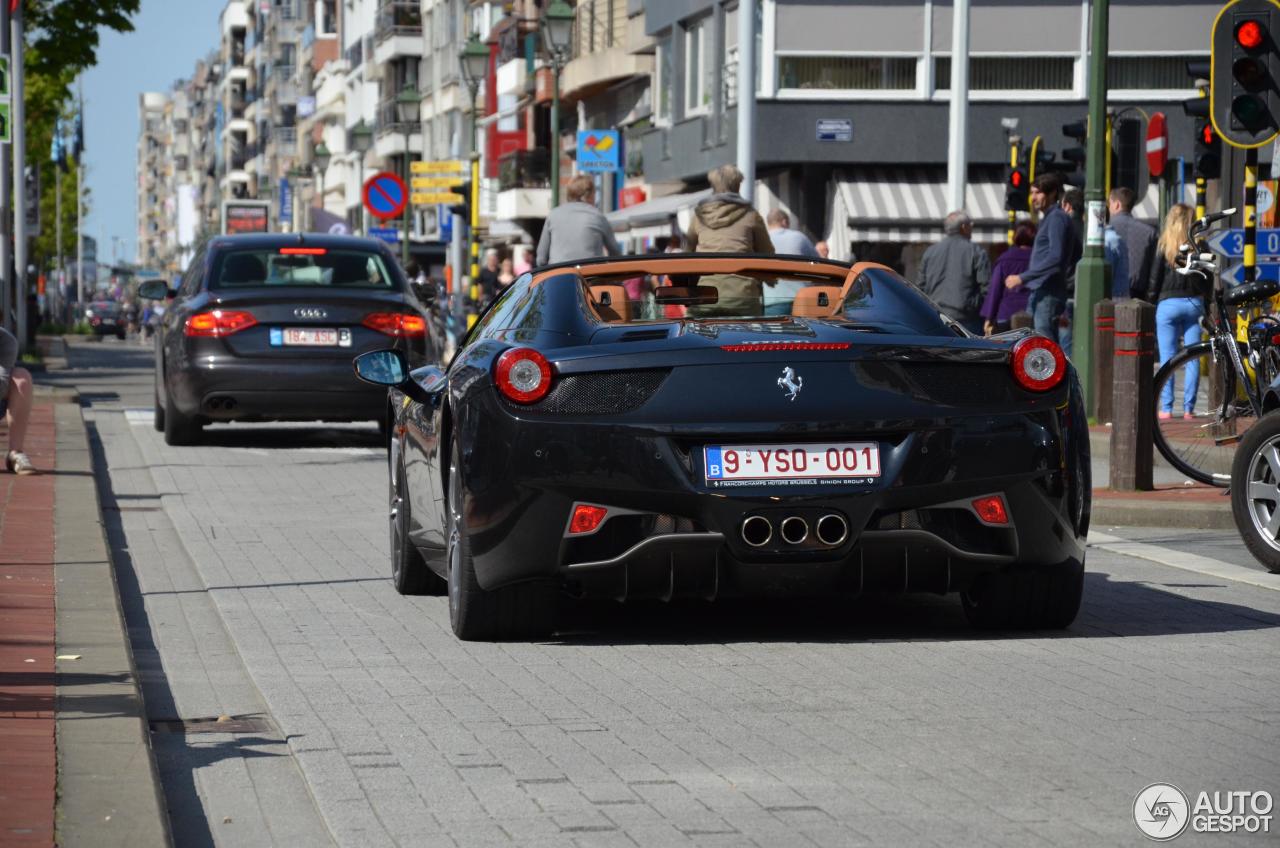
(604, 393)
(950, 383)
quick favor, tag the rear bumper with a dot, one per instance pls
(669, 534)
(238, 389)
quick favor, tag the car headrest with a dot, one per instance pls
(816, 302)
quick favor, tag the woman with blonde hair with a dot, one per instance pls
(1180, 301)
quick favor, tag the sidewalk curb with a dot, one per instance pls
(1139, 510)
(108, 784)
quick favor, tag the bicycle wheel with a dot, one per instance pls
(1203, 445)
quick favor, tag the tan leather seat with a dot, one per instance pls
(816, 302)
(611, 303)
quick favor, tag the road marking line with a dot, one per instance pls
(139, 416)
(1183, 560)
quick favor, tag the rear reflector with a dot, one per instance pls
(586, 518)
(397, 324)
(218, 323)
(303, 251)
(991, 510)
(754, 347)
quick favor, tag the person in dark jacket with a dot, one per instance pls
(1003, 303)
(1055, 250)
(954, 272)
(1180, 301)
(1139, 239)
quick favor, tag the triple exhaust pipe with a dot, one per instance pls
(830, 530)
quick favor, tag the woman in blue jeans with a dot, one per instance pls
(1180, 302)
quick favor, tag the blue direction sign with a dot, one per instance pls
(1231, 243)
(385, 196)
(1234, 275)
(388, 234)
(599, 151)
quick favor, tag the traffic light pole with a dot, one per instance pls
(1250, 214)
(1092, 270)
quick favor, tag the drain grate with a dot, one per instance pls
(213, 724)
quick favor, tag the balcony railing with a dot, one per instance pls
(355, 55)
(524, 169)
(389, 119)
(398, 17)
(287, 136)
(599, 25)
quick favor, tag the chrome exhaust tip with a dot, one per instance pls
(756, 531)
(832, 530)
(793, 529)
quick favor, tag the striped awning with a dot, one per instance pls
(908, 205)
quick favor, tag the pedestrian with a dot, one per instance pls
(520, 260)
(1003, 303)
(15, 403)
(954, 272)
(1139, 239)
(489, 275)
(506, 274)
(1180, 301)
(726, 222)
(1053, 254)
(786, 240)
(576, 229)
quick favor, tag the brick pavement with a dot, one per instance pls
(27, 749)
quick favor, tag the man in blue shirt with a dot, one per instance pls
(1055, 250)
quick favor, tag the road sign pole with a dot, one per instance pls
(1092, 270)
(1250, 214)
(474, 233)
(1201, 188)
(18, 86)
(6, 221)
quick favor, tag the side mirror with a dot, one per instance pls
(154, 290)
(425, 291)
(382, 367)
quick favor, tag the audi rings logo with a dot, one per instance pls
(310, 312)
(1161, 811)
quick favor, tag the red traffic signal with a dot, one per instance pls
(1249, 34)
(1206, 134)
(1015, 179)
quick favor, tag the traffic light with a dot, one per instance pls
(1243, 100)
(1208, 152)
(1077, 131)
(1129, 151)
(463, 207)
(1017, 190)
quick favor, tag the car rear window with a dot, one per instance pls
(301, 266)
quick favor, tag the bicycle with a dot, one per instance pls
(1235, 368)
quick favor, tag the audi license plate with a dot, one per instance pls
(791, 465)
(310, 337)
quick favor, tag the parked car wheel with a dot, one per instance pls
(1255, 491)
(1025, 598)
(158, 413)
(522, 611)
(179, 429)
(409, 572)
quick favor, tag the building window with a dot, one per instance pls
(664, 85)
(1149, 72)
(1011, 73)
(852, 73)
(326, 18)
(697, 68)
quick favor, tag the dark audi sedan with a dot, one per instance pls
(263, 328)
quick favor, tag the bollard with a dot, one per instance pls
(1019, 320)
(1132, 398)
(1104, 346)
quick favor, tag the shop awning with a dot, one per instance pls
(652, 219)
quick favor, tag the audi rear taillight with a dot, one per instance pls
(397, 324)
(218, 323)
(523, 375)
(1038, 364)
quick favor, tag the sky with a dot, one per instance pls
(168, 37)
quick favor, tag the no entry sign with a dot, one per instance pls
(1157, 144)
(385, 195)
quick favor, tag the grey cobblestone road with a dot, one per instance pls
(259, 563)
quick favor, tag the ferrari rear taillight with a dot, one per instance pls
(218, 323)
(397, 324)
(1038, 364)
(523, 375)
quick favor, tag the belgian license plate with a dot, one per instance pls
(796, 464)
(310, 337)
(108, 320)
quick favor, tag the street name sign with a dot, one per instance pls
(385, 195)
(429, 198)
(390, 235)
(834, 129)
(446, 166)
(437, 182)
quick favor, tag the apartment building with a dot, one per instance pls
(153, 137)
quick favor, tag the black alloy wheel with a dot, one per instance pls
(409, 571)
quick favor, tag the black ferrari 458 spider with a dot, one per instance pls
(753, 425)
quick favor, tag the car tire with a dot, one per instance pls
(522, 611)
(1247, 472)
(409, 571)
(1025, 598)
(120, 335)
(179, 429)
(157, 420)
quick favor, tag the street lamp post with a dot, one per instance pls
(361, 142)
(320, 157)
(557, 33)
(475, 65)
(408, 107)
(297, 176)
